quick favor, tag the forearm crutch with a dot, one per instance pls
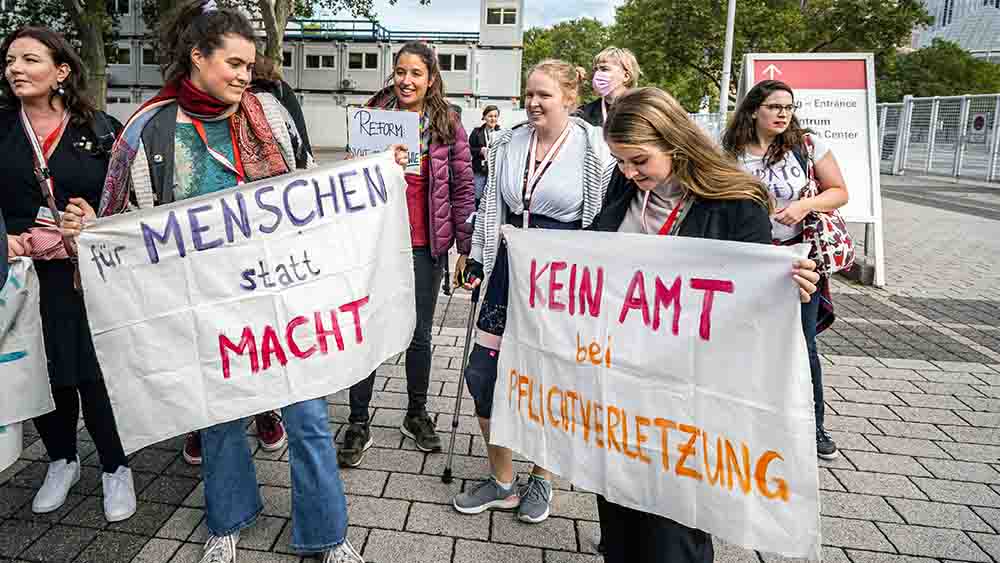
(446, 476)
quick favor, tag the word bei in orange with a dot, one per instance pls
(665, 297)
(571, 288)
(270, 345)
(592, 352)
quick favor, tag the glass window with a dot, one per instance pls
(494, 16)
(355, 61)
(510, 16)
(461, 63)
(329, 61)
(120, 56)
(371, 60)
(118, 6)
(286, 59)
(312, 61)
(444, 61)
(148, 56)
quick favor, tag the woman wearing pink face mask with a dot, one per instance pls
(615, 71)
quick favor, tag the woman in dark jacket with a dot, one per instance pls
(440, 198)
(479, 142)
(672, 180)
(615, 71)
(47, 122)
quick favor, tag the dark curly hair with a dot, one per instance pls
(742, 130)
(76, 99)
(189, 27)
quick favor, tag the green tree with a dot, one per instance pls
(679, 43)
(941, 69)
(575, 41)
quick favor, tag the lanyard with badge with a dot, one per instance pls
(237, 167)
(48, 215)
(533, 174)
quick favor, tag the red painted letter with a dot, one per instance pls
(269, 345)
(638, 284)
(665, 298)
(535, 275)
(353, 307)
(709, 287)
(591, 300)
(247, 344)
(555, 286)
(290, 339)
(322, 333)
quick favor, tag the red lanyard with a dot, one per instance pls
(236, 168)
(534, 174)
(50, 141)
(671, 219)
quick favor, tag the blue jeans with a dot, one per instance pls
(232, 499)
(810, 314)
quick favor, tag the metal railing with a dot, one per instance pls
(955, 136)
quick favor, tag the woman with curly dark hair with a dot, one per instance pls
(802, 177)
(48, 124)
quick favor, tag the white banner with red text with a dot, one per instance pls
(249, 299)
(669, 374)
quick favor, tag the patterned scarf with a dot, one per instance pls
(258, 148)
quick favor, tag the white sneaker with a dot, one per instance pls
(343, 553)
(119, 495)
(220, 550)
(59, 479)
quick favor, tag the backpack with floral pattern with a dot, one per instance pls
(825, 231)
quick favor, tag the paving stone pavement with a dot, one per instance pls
(912, 377)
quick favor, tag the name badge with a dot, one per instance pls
(45, 217)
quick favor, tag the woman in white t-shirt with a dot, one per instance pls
(768, 141)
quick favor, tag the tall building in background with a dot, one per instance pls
(349, 61)
(973, 24)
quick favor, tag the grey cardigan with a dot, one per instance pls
(597, 168)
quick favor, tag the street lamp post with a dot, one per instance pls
(727, 64)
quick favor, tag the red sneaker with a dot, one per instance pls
(192, 448)
(270, 431)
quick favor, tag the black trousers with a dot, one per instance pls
(58, 428)
(427, 272)
(810, 314)
(633, 536)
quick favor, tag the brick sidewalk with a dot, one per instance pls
(913, 394)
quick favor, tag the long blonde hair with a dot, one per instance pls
(650, 116)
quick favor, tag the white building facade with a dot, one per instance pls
(344, 62)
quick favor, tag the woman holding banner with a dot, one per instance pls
(49, 124)
(205, 132)
(440, 198)
(550, 172)
(671, 179)
(803, 178)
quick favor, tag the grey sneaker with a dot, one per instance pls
(343, 553)
(486, 495)
(357, 440)
(220, 550)
(536, 496)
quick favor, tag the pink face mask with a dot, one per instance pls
(603, 83)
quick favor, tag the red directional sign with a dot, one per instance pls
(816, 74)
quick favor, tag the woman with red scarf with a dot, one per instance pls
(205, 132)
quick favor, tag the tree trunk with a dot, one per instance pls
(90, 22)
(275, 14)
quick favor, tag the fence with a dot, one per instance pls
(956, 136)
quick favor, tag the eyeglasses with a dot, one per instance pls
(777, 108)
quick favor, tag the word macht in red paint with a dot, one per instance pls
(301, 338)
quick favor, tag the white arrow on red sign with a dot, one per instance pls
(771, 70)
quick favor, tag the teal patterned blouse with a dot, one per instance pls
(197, 173)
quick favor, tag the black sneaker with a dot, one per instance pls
(421, 429)
(357, 440)
(826, 448)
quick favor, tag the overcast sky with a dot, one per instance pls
(463, 15)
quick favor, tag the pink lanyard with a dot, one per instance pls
(534, 175)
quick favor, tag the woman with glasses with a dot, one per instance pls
(768, 141)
